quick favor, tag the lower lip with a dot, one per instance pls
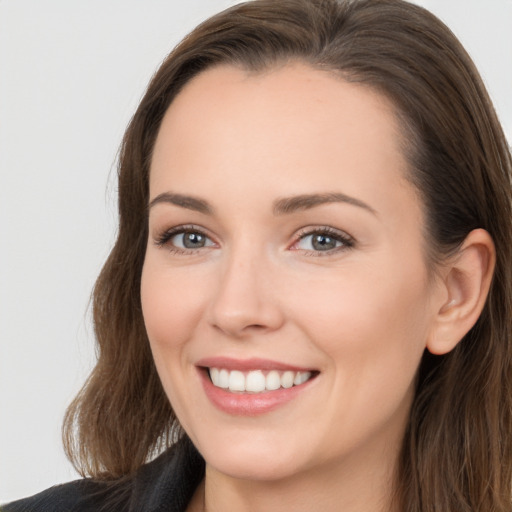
(249, 404)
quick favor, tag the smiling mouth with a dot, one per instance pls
(257, 381)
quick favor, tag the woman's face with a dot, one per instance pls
(285, 251)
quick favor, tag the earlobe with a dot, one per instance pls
(466, 279)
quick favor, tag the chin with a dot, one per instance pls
(258, 469)
(245, 460)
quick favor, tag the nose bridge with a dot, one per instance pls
(245, 300)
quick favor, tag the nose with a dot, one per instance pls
(245, 301)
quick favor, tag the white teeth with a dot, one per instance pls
(223, 379)
(214, 375)
(287, 379)
(273, 381)
(236, 381)
(301, 377)
(255, 381)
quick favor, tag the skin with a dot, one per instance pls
(361, 315)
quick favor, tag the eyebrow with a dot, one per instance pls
(288, 205)
(283, 206)
(188, 202)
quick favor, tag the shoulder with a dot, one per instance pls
(73, 496)
(167, 483)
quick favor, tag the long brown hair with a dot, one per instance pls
(457, 451)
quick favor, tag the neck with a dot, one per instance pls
(363, 487)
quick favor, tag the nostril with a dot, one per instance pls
(236, 330)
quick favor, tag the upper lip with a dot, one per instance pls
(229, 363)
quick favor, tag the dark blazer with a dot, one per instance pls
(163, 485)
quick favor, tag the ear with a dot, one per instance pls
(466, 279)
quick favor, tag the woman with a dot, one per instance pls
(308, 304)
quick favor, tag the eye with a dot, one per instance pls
(323, 240)
(190, 240)
(184, 239)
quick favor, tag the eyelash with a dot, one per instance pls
(347, 242)
(163, 239)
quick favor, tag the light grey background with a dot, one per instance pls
(71, 74)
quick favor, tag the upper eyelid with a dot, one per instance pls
(324, 229)
(163, 236)
(299, 234)
(347, 241)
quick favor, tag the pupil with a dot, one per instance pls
(193, 240)
(323, 243)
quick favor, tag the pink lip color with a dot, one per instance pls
(245, 365)
(247, 404)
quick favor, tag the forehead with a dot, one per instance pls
(301, 128)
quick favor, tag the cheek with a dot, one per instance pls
(172, 304)
(370, 322)
(374, 337)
